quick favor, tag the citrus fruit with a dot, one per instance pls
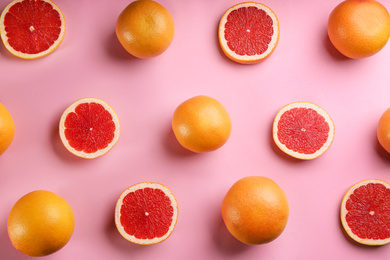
(146, 213)
(32, 29)
(89, 128)
(303, 130)
(145, 29)
(365, 212)
(359, 28)
(248, 32)
(201, 124)
(383, 130)
(40, 223)
(7, 129)
(255, 210)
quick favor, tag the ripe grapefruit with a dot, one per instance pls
(40, 223)
(7, 129)
(146, 213)
(145, 28)
(303, 130)
(359, 28)
(32, 29)
(383, 130)
(255, 210)
(365, 212)
(201, 124)
(89, 128)
(248, 32)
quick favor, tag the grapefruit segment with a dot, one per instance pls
(89, 128)
(32, 29)
(146, 213)
(248, 32)
(303, 130)
(365, 212)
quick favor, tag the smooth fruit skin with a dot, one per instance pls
(383, 130)
(255, 210)
(145, 29)
(201, 124)
(40, 223)
(359, 28)
(7, 129)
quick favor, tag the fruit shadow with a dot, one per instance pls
(115, 50)
(59, 147)
(173, 147)
(279, 152)
(381, 152)
(331, 50)
(225, 242)
(7, 249)
(349, 239)
(115, 238)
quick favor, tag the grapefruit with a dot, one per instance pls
(359, 28)
(146, 213)
(255, 210)
(89, 128)
(7, 129)
(365, 212)
(32, 29)
(145, 29)
(383, 130)
(201, 124)
(248, 32)
(303, 130)
(40, 223)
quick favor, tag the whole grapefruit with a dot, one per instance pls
(255, 210)
(40, 223)
(359, 28)
(7, 129)
(383, 130)
(201, 124)
(145, 28)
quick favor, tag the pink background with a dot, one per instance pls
(144, 93)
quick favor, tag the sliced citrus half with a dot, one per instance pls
(32, 29)
(365, 212)
(89, 128)
(303, 130)
(248, 32)
(146, 213)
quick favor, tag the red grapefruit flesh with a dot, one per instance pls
(32, 29)
(146, 213)
(248, 32)
(303, 130)
(89, 128)
(365, 212)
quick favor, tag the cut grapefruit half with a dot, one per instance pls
(32, 29)
(248, 32)
(365, 212)
(89, 128)
(303, 130)
(146, 213)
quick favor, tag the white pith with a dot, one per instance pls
(344, 212)
(133, 188)
(36, 55)
(71, 109)
(271, 45)
(320, 111)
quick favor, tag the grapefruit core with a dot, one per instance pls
(32, 29)
(248, 32)
(303, 130)
(89, 128)
(365, 212)
(146, 213)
